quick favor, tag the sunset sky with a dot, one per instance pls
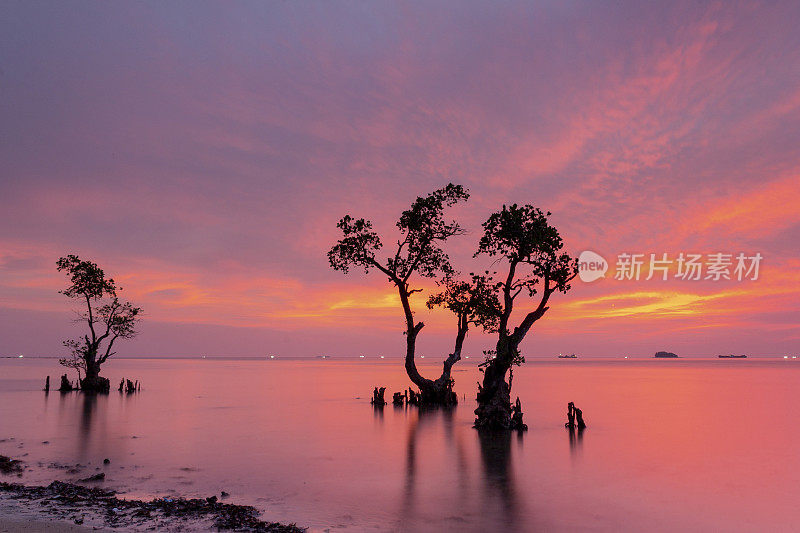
(202, 154)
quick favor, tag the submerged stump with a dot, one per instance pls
(516, 417)
(377, 397)
(66, 384)
(95, 383)
(579, 418)
(574, 417)
(129, 387)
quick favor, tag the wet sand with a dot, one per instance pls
(17, 516)
(10, 526)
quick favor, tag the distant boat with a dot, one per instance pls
(324, 356)
(570, 356)
(666, 355)
(271, 357)
(731, 356)
(362, 356)
(21, 356)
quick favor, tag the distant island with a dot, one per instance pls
(732, 356)
(665, 355)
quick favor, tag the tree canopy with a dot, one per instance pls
(423, 229)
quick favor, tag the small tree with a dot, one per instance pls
(75, 359)
(107, 317)
(423, 230)
(473, 302)
(522, 237)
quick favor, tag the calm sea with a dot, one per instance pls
(672, 445)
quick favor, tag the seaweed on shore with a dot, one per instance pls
(116, 512)
(10, 466)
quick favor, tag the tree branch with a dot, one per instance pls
(522, 330)
(90, 319)
(109, 322)
(383, 269)
(508, 301)
(108, 350)
(420, 254)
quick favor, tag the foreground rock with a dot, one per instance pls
(66, 501)
(10, 466)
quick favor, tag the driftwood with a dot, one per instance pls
(399, 398)
(377, 397)
(574, 415)
(66, 385)
(516, 417)
(47, 384)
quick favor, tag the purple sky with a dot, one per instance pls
(202, 153)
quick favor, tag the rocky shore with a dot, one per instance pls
(68, 504)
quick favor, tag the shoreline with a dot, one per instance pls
(14, 517)
(67, 507)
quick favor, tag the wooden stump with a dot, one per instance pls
(579, 417)
(66, 385)
(574, 414)
(413, 397)
(399, 398)
(377, 397)
(516, 417)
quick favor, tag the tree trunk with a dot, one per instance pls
(494, 396)
(438, 392)
(92, 382)
(494, 400)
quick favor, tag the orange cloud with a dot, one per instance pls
(764, 209)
